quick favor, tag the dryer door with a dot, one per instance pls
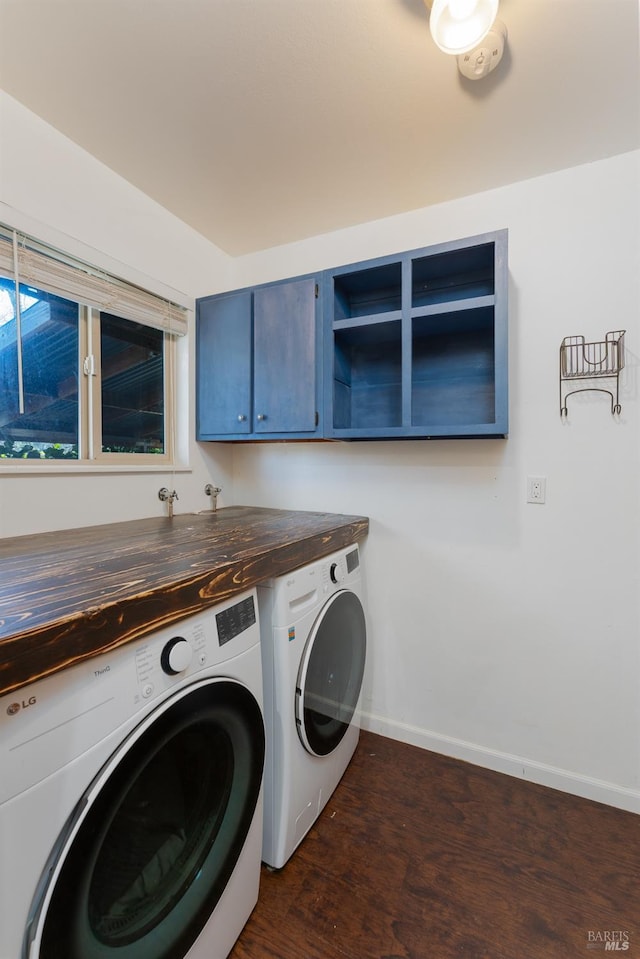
(147, 853)
(330, 676)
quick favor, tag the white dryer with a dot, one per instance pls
(313, 632)
(131, 797)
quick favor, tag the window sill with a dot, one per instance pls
(48, 467)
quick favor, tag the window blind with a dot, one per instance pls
(53, 271)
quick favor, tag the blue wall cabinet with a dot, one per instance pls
(416, 344)
(406, 346)
(258, 354)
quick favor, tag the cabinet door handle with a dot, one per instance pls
(262, 416)
(241, 418)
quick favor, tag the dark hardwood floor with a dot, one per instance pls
(417, 856)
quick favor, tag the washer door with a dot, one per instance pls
(330, 676)
(147, 854)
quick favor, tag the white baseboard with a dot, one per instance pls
(519, 766)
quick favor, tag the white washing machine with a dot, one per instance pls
(131, 797)
(313, 632)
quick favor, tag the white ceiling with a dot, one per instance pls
(261, 122)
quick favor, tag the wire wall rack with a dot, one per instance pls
(580, 361)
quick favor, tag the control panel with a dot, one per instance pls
(234, 620)
(340, 567)
(194, 643)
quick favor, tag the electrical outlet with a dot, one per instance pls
(536, 489)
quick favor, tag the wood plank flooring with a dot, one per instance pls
(418, 856)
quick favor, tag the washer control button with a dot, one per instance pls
(336, 573)
(176, 656)
(147, 689)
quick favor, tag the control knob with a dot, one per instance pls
(336, 573)
(176, 656)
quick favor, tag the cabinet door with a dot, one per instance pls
(224, 365)
(284, 372)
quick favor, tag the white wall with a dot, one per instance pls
(502, 632)
(59, 193)
(499, 631)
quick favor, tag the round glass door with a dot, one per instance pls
(331, 671)
(152, 844)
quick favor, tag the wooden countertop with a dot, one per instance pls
(71, 594)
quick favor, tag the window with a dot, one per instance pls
(86, 362)
(132, 387)
(46, 421)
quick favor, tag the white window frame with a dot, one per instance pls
(94, 290)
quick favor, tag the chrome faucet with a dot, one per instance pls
(168, 497)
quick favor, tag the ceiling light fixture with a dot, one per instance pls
(468, 30)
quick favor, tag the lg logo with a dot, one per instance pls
(16, 707)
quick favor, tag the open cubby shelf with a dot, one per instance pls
(453, 369)
(417, 344)
(455, 275)
(368, 376)
(368, 292)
